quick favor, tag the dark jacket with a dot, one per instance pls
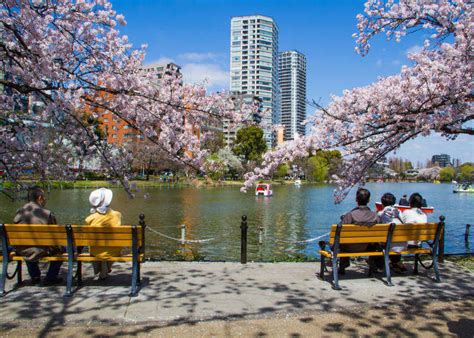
(361, 215)
(32, 213)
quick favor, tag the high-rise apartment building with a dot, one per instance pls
(160, 69)
(443, 160)
(254, 64)
(292, 77)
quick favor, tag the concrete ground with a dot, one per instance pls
(257, 299)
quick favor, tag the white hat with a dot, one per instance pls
(100, 200)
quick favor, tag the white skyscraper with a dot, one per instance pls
(292, 76)
(254, 64)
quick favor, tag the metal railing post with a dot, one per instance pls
(243, 240)
(466, 235)
(183, 233)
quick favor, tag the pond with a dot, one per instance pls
(290, 220)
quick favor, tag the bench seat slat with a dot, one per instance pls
(63, 242)
(380, 239)
(81, 258)
(375, 253)
(364, 233)
(377, 227)
(63, 235)
(124, 229)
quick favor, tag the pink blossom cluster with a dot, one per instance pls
(433, 95)
(68, 58)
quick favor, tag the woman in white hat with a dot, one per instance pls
(102, 215)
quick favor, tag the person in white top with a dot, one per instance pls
(414, 214)
(390, 214)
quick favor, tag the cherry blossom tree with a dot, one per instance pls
(62, 60)
(434, 94)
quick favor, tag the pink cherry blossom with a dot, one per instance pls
(67, 58)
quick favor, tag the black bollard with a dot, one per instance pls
(243, 240)
(143, 224)
(466, 234)
(441, 242)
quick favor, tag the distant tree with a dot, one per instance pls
(233, 166)
(282, 171)
(322, 166)
(249, 143)
(148, 157)
(214, 142)
(214, 167)
(447, 174)
(466, 172)
(429, 174)
(399, 165)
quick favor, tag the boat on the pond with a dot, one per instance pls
(263, 189)
(298, 182)
(463, 188)
(426, 210)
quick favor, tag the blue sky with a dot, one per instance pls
(195, 34)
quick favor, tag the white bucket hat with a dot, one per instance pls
(100, 200)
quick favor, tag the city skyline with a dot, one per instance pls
(322, 31)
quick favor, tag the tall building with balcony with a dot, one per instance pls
(443, 160)
(160, 69)
(254, 65)
(292, 77)
(118, 131)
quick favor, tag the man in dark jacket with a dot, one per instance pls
(360, 215)
(404, 201)
(34, 212)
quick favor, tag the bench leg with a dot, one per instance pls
(79, 273)
(335, 278)
(69, 278)
(436, 268)
(323, 266)
(139, 278)
(3, 279)
(415, 268)
(387, 269)
(19, 277)
(134, 290)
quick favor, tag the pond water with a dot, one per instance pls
(288, 218)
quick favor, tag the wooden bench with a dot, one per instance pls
(73, 238)
(385, 235)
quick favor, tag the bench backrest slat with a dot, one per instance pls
(351, 233)
(56, 235)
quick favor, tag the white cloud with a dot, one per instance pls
(199, 57)
(414, 49)
(379, 63)
(213, 74)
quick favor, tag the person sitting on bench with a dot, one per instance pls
(34, 212)
(361, 215)
(391, 214)
(102, 215)
(414, 214)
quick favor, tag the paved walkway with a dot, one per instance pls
(175, 293)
